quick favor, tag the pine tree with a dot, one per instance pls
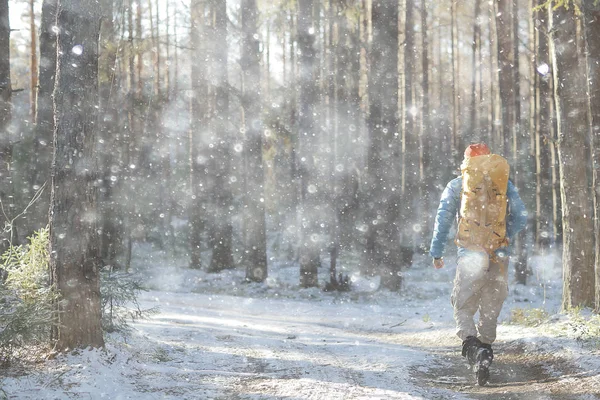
(74, 242)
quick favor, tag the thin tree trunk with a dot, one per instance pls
(426, 177)
(222, 232)
(295, 185)
(44, 118)
(592, 33)
(255, 245)
(33, 64)
(168, 53)
(5, 119)
(493, 67)
(521, 269)
(140, 54)
(516, 92)
(311, 241)
(332, 124)
(544, 132)
(75, 259)
(573, 135)
(383, 150)
(455, 143)
(505, 72)
(410, 199)
(176, 51)
(476, 46)
(111, 237)
(198, 119)
(130, 132)
(154, 26)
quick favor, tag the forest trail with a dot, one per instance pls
(285, 349)
(515, 373)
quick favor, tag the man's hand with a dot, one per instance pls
(438, 263)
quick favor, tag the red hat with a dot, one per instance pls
(477, 149)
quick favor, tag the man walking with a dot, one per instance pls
(490, 214)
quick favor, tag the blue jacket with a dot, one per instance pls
(448, 209)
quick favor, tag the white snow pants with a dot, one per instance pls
(480, 285)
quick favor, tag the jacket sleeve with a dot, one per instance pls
(517, 214)
(445, 216)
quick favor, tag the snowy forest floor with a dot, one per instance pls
(218, 338)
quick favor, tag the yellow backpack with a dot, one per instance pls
(482, 222)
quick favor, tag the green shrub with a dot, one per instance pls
(586, 330)
(119, 295)
(28, 300)
(26, 297)
(529, 317)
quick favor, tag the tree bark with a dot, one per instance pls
(33, 63)
(543, 132)
(198, 112)
(455, 142)
(74, 240)
(426, 173)
(5, 86)
(109, 139)
(222, 228)
(476, 46)
(311, 242)
(592, 34)
(573, 140)
(44, 117)
(5, 119)
(384, 147)
(255, 224)
(505, 72)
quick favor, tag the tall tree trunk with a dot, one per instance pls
(311, 242)
(176, 51)
(455, 143)
(426, 174)
(168, 88)
(222, 228)
(44, 118)
(493, 78)
(256, 242)
(5, 86)
(332, 123)
(516, 95)
(109, 139)
(384, 147)
(518, 142)
(75, 260)
(5, 118)
(592, 34)
(410, 198)
(573, 142)
(543, 131)
(33, 61)
(476, 46)
(198, 121)
(505, 72)
(130, 132)
(139, 33)
(295, 184)
(154, 24)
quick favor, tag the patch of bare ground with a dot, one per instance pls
(515, 374)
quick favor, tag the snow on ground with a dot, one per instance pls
(219, 338)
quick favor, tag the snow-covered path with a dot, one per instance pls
(273, 348)
(217, 338)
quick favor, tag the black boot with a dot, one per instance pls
(485, 355)
(469, 349)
